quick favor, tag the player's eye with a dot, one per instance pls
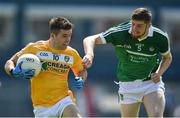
(66, 36)
(137, 25)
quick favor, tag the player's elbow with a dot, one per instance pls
(88, 40)
(6, 66)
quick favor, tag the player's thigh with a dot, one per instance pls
(130, 110)
(155, 103)
(71, 111)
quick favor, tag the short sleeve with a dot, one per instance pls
(109, 35)
(27, 49)
(116, 33)
(77, 65)
(164, 44)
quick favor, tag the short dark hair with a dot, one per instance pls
(58, 23)
(142, 14)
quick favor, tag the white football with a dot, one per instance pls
(30, 61)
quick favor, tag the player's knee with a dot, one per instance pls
(156, 113)
(70, 111)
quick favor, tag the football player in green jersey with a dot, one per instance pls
(144, 55)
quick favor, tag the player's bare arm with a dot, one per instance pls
(10, 64)
(89, 44)
(165, 63)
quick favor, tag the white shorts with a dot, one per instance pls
(133, 92)
(53, 111)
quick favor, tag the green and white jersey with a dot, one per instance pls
(138, 58)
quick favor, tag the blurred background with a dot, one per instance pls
(24, 21)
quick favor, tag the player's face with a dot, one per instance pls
(62, 39)
(139, 28)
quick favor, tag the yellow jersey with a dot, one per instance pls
(51, 85)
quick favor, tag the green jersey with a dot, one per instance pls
(138, 58)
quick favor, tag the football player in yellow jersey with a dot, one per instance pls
(49, 90)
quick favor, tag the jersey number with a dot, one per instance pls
(55, 57)
(139, 46)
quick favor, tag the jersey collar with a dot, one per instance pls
(150, 33)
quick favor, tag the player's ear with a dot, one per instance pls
(52, 35)
(149, 25)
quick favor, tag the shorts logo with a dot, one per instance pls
(66, 58)
(151, 49)
(121, 96)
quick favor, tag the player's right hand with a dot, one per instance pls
(155, 77)
(17, 72)
(79, 82)
(87, 60)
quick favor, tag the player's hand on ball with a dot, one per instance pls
(87, 60)
(79, 82)
(17, 72)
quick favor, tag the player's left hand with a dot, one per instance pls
(79, 82)
(155, 77)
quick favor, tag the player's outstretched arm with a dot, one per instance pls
(89, 44)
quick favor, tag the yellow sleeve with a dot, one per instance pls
(77, 66)
(27, 49)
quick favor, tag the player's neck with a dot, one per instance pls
(54, 46)
(144, 35)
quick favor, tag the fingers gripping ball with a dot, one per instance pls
(30, 61)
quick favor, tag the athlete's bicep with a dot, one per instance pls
(168, 55)
(15, 57)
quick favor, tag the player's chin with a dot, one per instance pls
(64, 46)
(136, 35)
